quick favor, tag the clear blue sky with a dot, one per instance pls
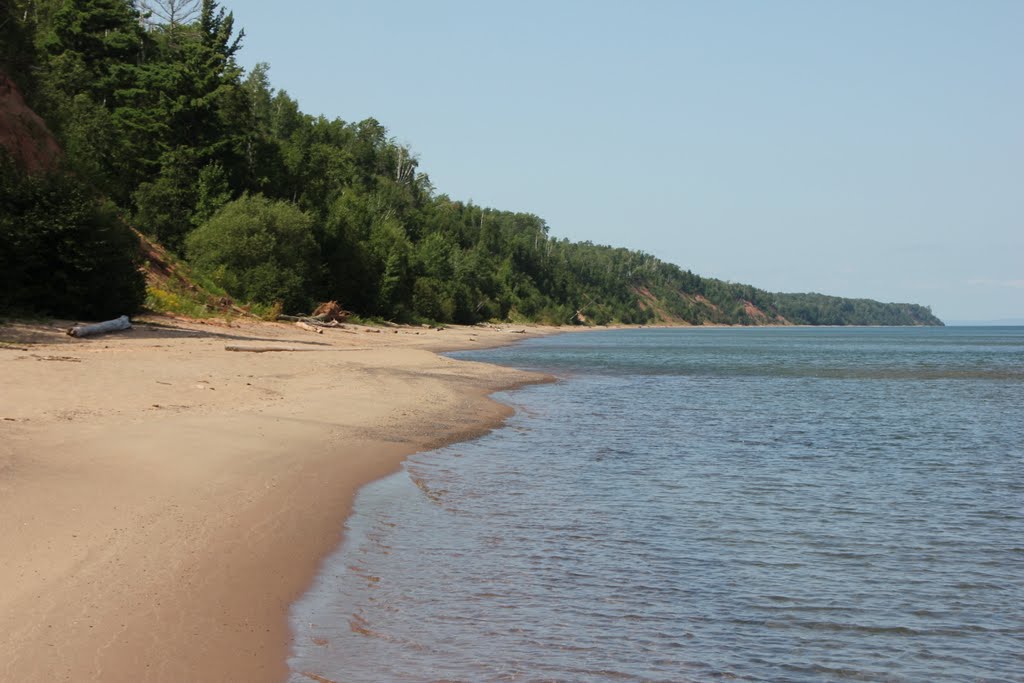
(859, 148)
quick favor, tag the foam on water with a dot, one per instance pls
(691, 505)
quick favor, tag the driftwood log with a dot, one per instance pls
(262, 349)
(315, 322)
(115, 325)
(309, 328)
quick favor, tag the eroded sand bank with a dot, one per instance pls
(163, 500)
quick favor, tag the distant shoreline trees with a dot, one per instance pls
(278, 206)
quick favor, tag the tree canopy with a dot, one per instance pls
(155, 113)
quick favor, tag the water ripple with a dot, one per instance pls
(709, 505)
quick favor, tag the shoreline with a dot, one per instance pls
(164, 502)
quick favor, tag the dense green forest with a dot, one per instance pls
(162, 130)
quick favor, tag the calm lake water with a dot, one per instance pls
(702, 504)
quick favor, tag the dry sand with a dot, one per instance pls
(163, 501)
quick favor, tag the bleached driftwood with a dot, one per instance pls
(315, 322)
(115, 325)
(309, 328)
(261, 349)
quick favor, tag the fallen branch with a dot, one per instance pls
(115, 325)
(262, 349)
(310, 320)
(308, 327)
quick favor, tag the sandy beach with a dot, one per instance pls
(164, 500)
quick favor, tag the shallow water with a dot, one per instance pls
(692, 505)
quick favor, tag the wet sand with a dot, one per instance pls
(163, 500)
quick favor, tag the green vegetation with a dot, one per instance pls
(258, 250)
(62, 251)
(274, 206)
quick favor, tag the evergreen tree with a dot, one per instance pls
(63, 251)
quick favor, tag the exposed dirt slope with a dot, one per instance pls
(23, 133)
(171, 287)
(761, 317)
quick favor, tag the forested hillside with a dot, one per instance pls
(162, 130)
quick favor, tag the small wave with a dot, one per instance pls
(819, 671)
(868, 629)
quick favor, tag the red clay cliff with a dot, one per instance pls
(23, 133)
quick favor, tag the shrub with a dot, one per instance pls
(431, 300)
(258, 250)
(62, 251)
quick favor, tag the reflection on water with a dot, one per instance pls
(691, 505)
